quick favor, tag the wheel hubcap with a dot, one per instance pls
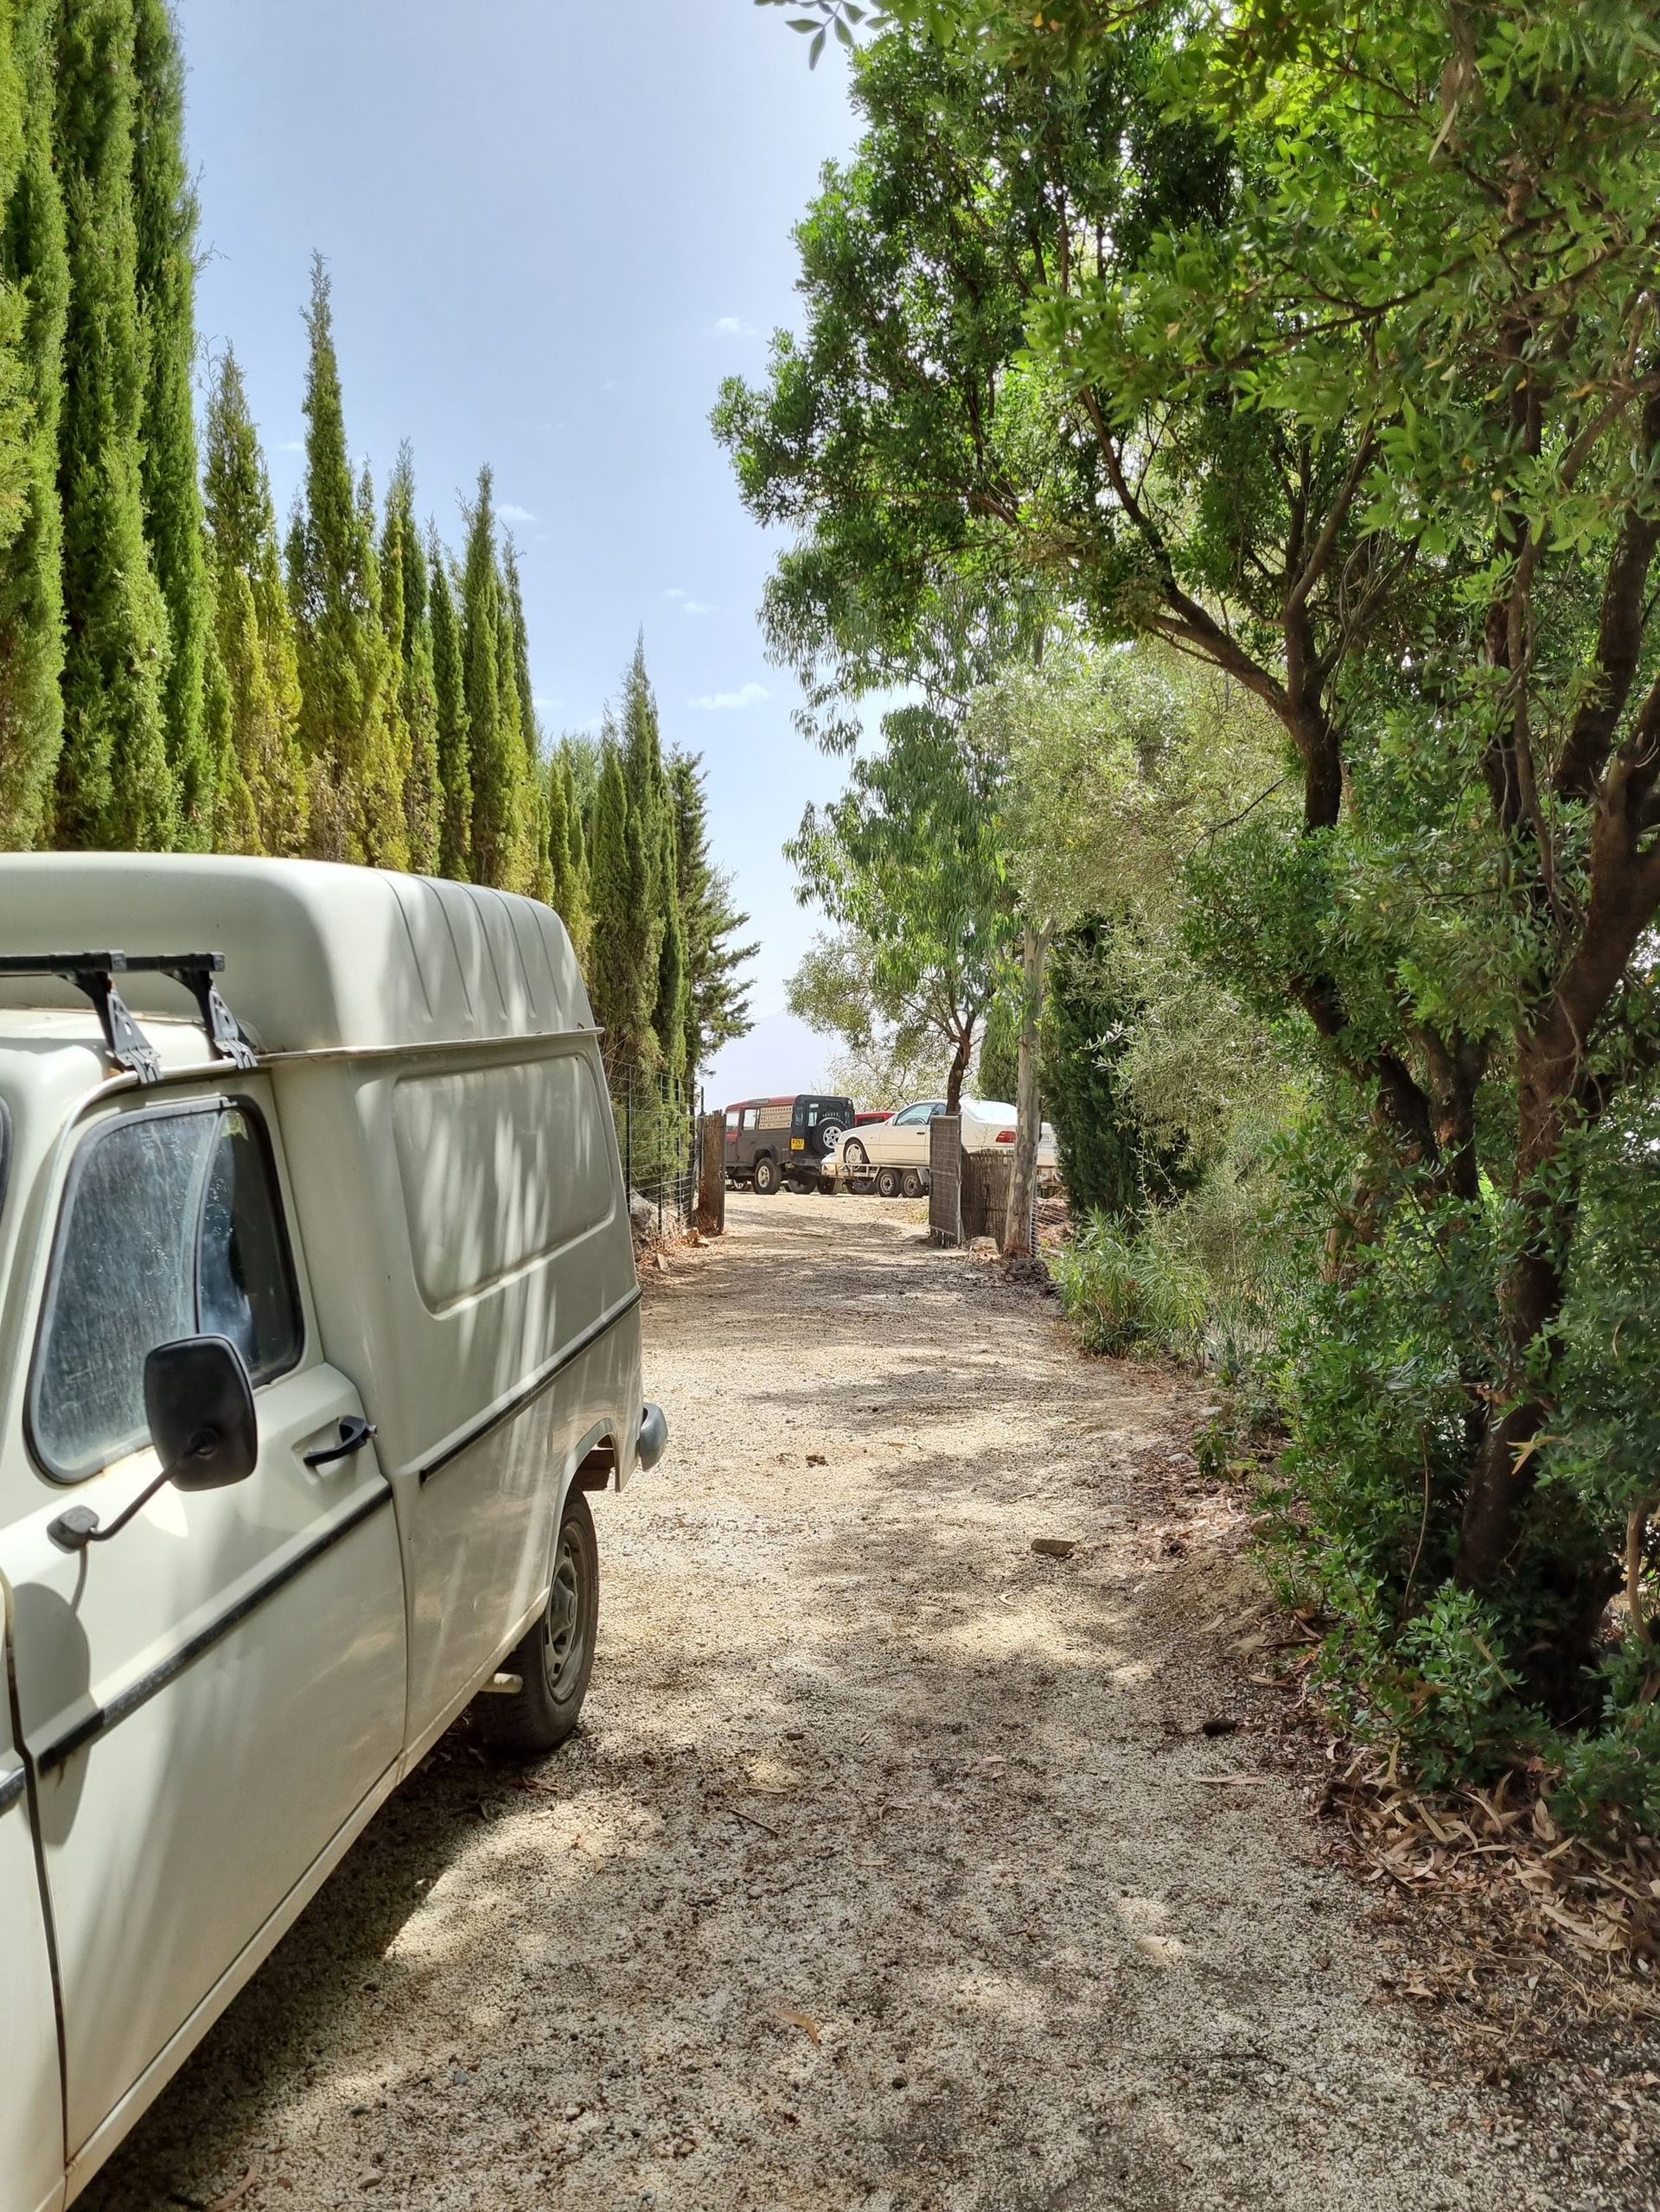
(563, 1654)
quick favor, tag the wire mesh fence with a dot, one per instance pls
(657, 1119)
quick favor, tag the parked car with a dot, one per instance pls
(318, 1323)
(896, 1152)
(774, 1141)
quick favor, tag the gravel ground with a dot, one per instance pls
(892, 1868)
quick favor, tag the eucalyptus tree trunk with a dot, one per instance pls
(1017, 1232)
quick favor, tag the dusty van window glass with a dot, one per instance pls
(245, 1291)
(172, 1230)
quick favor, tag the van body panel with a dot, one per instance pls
(208, 1697)
(31, 2103)
(145, 2090)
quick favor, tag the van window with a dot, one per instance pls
(172, 1226)
(501, 1167)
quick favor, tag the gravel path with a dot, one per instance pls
(891, 1868)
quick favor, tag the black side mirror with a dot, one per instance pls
(199, 1402)
(199, 1405)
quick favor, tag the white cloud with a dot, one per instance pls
(292, 445)
(686, 603)
(733, 326)
(719, 702)
(509, 513)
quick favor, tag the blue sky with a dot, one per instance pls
(553, 229)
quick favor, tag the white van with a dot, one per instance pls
(318, 1320)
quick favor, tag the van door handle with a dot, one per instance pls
(355, 1433)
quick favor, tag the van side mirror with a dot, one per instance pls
(199, 1405)
(199, 1402)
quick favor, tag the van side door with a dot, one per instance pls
(210, 1699)
(31, 2101)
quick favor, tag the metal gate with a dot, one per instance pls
(945, 1178)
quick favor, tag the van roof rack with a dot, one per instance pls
(95, 973)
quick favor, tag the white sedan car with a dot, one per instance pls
(896, 1151)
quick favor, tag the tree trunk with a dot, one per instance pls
(959, 1069)
(1529, 1295)
(1017, 1232)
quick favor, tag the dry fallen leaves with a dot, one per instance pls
(234, 2196)
(808, 2028)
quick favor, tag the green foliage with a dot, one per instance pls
(623, 971)
(718, 1000)
(454, 744)
(998, 1074)
(500, 772)
(254, 676)
(408, 629)
(165, 213)
(1105, 1154)
(1130, 1291)
(115, 780)
(911, 860)
(34, 298)
(537, 864)
(346, 666)
(1355, 399)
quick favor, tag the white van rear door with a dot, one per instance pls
(31, 2103)
(208, 1697)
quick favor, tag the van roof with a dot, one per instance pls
(317, 957)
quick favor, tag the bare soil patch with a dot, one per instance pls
(898, 1865)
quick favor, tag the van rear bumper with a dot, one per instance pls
(654, 1435)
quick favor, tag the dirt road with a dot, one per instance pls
(891, 1868)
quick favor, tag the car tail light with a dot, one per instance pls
(1006, 1137)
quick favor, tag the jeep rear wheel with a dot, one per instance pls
(766, 1177)
(887, 1183)
(554, 1661)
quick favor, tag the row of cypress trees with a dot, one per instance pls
(175, 675)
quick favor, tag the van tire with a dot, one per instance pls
(887, 1183)
(911, 1185)
(539, 1716)
(766, 1177)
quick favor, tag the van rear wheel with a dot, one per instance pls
(555, 1660)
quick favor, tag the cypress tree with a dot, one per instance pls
(164, 210)
(412, 637)
(34, 300)
(496, 753)
(253, 635)
(669, 1019)
(346, 668)
(115, 780)
(566, 856)
(624, 954)
(386, 764)
(717, 1004)
(236, 824)
(539, 824)
(455, 759)
(1105, 1156)
(518, 867)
